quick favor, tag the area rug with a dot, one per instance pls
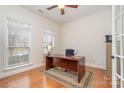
(69, 78)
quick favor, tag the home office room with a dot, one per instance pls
(61, 46)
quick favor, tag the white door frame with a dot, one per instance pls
(113, 47)
(117, 26)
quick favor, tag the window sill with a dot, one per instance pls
(9, 68)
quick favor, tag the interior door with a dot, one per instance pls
(118, 47)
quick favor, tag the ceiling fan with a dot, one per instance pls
(61, 7)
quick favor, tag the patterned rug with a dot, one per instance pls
(68, 78)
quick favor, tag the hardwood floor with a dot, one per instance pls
(35, 79)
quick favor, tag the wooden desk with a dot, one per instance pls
(76, 63)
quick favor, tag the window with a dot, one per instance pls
(48, 39)
(18, 43)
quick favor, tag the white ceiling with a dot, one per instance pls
(70, 13)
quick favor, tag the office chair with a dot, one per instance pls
(69, 52)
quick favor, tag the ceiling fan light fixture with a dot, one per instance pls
(61, 6)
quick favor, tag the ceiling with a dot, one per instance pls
(70, 13)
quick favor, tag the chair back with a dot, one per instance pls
(69, 52)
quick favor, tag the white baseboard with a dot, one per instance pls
(103, 66)
(18, 70)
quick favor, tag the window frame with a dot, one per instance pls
(48, 32)
(6, 45)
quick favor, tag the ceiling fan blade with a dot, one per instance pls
(49, 8)
(72, 6)
(62, 11)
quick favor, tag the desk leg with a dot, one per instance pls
(49, 63)
(81, 69)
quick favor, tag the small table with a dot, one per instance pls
(74, 63)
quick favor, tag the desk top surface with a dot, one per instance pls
(76, 58)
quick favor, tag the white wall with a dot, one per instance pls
(87, 35)
(38, 25)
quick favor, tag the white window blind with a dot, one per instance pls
(18, 43)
